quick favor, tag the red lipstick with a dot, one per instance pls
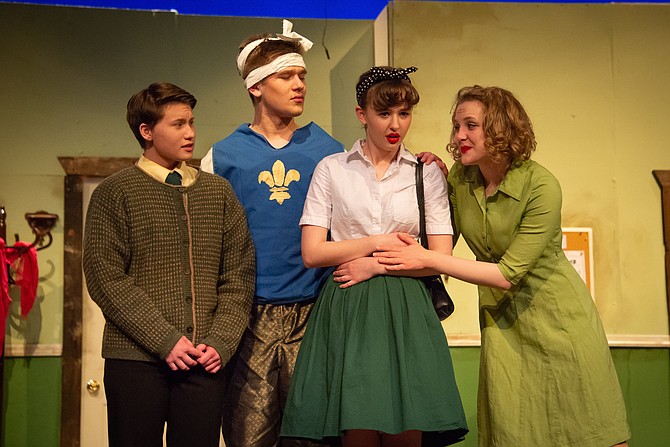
(393, 138)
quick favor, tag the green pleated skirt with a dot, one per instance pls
(375, 357)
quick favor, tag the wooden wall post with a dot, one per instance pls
(663, 179)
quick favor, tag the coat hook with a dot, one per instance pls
(42, 223)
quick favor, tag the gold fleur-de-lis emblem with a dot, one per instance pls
(278, 181)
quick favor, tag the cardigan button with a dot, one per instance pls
(189, 329)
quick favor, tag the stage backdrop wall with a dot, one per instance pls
(593, 80)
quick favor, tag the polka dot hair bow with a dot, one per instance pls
(379, 74)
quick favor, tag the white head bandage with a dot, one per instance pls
(281, 62)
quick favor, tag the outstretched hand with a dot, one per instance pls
(390, 240)
(412, 256)
(428, 157)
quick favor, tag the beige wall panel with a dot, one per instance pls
(592, 78)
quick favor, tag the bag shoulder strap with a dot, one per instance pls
(422, 209)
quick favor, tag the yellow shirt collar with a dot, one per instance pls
(188, 173)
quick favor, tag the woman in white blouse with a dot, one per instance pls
(374, 367)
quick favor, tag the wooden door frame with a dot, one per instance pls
(77, 170)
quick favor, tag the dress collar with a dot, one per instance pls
(512, 185)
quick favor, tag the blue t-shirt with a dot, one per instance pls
(272, 185)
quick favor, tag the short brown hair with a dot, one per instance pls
(388, 93)
(147, 106)
(508, 131)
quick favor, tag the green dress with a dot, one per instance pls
(374, 357)
(546, 373)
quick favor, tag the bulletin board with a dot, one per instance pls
(578, 248)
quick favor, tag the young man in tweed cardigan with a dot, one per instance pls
(169, 259)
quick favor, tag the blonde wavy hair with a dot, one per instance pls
(508, 131)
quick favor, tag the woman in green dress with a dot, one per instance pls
(546, 373)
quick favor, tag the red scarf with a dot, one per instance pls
(5, 300)
(24, 257)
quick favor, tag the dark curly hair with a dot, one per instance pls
(508, 131)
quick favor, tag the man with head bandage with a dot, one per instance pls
(270, 163)
(253, 75)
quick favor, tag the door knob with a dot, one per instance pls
(92, 386)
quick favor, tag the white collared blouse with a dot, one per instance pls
(346, 197)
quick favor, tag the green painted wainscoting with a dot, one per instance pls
(32, 396)
(31, 407)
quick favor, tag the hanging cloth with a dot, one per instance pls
(5, 299)
(24, 256)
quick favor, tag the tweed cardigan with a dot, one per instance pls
(164, 262)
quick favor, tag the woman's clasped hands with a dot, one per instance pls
(362, 269)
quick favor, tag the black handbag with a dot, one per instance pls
(444, 305)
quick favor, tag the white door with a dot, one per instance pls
(93, 402)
